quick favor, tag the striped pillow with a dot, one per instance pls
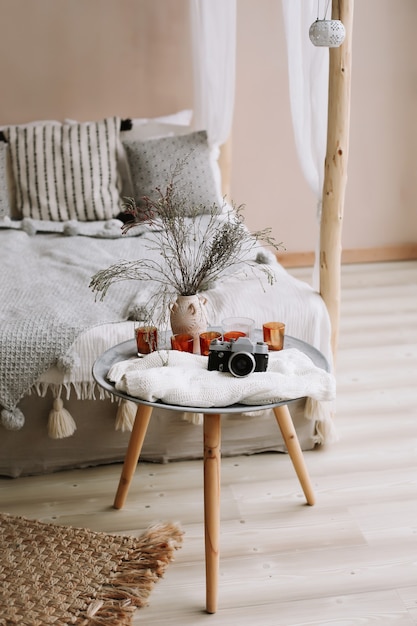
(66, 171)
(4, 196)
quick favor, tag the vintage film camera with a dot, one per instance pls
(240, 357)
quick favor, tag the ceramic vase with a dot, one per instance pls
(188, 315)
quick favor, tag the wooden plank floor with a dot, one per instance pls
(349, 560)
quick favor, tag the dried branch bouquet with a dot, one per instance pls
(195, 246)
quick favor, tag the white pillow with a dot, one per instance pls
(66, 171)
(154, 130)
(182, 118)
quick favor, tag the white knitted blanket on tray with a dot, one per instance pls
(180, 378)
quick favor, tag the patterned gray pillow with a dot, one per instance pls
(4, 195)
(152, 163)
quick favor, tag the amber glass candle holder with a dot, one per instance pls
(182, 342)
(274, 333)
(146, 339)
(206, 339)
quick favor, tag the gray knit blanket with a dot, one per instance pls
(45, 299)
(46, 302)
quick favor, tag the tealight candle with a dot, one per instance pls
(146, 339)
(274, 335)
(206, 339)
(182, 342)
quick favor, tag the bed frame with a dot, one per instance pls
(332, 212)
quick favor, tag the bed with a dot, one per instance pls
(55, 236)
(62, 193)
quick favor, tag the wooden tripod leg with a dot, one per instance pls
(143, 415)
(212, 438)
(289, 435)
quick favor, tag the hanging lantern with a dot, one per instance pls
(329, 33)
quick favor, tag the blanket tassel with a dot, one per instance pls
(321, 413)
(60, 421)
(125, 417)
(12, 419)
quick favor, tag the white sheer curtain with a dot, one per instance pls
(213, 26)
(308, 72)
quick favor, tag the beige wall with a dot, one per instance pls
(89, 58)
(381, 199)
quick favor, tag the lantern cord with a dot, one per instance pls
(326, 10)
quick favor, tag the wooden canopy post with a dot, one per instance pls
(335, 173)
(225, 164)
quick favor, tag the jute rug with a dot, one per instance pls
(58, 575)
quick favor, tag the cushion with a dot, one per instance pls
(152, 162)
(4, 194)
(14, 213)
(66, 171)
(149, 128)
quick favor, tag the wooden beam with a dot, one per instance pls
(225, 164)
(335, 173)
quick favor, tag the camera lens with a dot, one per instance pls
(241, 364)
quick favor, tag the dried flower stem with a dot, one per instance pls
(195, 250)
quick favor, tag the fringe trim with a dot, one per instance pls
(193, 418)
(83, 391)
(261, 413)
(61, 424)
(138, 571)
(126, 414)
(323, 414)
(125, 417)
